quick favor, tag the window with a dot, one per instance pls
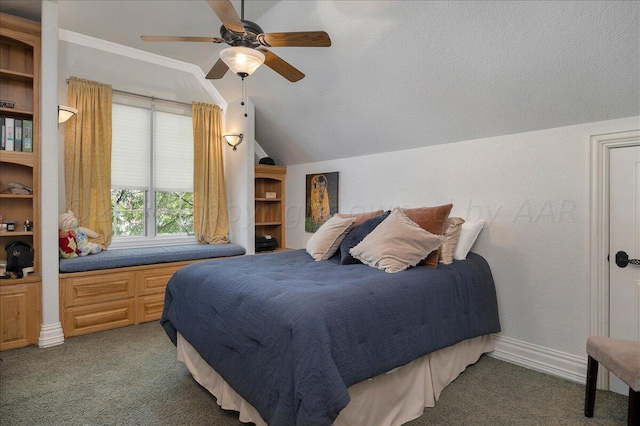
(151, 173)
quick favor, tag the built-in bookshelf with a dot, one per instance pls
(20, 298)
(270, 184)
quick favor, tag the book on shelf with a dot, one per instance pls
(17, 135)
(2, 134)
(27, 135)
(9, 129)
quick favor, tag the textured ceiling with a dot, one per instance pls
(404, 74)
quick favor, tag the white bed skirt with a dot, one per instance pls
(392, 398)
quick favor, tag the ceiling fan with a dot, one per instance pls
(248, 44)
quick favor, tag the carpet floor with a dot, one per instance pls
(130, 376)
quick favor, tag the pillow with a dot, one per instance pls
(359, 217)
(396, 244)
(468, 234)
(326, 240)
(431, 219)
(356, 235)
(452, 228)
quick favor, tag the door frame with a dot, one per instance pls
(599, 233)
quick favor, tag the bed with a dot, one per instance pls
(286, 340)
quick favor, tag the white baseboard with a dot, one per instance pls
(539, 358)
(51, 335)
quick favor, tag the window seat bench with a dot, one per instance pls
(121, 287)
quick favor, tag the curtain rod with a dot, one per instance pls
(153, 98)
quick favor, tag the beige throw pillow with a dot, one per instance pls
(396, 244)
(360, 217)
(452, 228)
(326, 240)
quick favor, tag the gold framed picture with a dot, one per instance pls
(322, 199)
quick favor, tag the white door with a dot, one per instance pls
(624, 236)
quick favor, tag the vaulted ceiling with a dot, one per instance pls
(403, 74)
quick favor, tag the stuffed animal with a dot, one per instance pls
(67, 245)
(68, 222)
(84, 245)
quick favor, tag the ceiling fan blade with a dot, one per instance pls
(182, 38)
(295, 39)
(218, 71)
(228, 15)
(281, 66)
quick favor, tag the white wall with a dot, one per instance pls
(533, 191)
(238, 169)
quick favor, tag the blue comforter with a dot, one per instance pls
(290, 334)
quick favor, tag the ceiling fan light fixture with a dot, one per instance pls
(242, 60)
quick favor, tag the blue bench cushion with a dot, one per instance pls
(119, 258)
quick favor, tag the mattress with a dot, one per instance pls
(389, 399)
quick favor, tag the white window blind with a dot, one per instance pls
(173, 153)
(130, 153)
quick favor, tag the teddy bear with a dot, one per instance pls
(68, 222)
(67, 245)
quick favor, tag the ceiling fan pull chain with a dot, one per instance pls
(244, 96)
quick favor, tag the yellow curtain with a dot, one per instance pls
(210, 218)
(87, 159)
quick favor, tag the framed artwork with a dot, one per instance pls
(321, 199)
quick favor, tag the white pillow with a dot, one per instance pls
(468, 235)
(396, 244)
(325, 241)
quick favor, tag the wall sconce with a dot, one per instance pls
(233, 140)
(65, 113)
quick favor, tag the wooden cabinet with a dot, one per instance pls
(20, 312)
(110, 298)
(151, 285)
(270, 184)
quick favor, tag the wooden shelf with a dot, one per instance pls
(15, 234)
(16, 196)
(269, 200)
(274, 251)
(16, 112)
(268, 223)
(31, 278)
(17, 157)
(15, 75)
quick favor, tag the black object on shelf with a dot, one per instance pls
(266, 243)
(267, 160)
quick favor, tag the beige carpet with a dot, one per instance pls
(130, 376)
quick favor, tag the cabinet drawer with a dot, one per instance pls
(98, 288)
(149, 308)
(154, 281)
(103, 316)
